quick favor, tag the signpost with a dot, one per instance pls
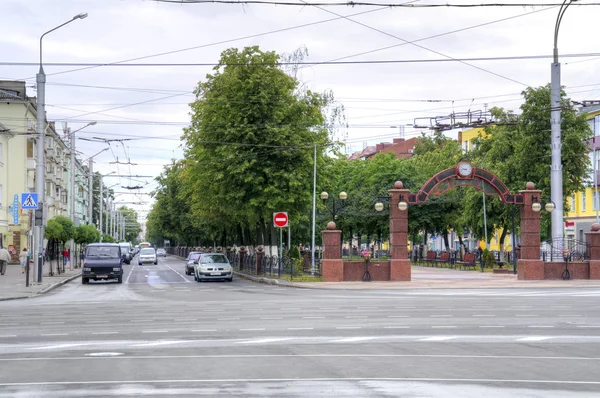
(280, 220)
(29, 200)
(15, 209)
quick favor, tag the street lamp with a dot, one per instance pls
(335, 208)
(101, 216)
(91, 185)
(556, 180)
(40, 171)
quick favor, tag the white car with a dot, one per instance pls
(147, 255)
(161, 252)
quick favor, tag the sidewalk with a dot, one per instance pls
(435, 278)
(12, 283)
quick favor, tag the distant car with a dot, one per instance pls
(161, 252)
(126, 252)
(102, 261)
(191, 259)
(147, 255)
(213, 266)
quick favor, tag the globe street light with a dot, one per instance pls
(40, 79)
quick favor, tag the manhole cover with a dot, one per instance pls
(104, 354)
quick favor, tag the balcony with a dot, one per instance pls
(50, 152)
(31, 164)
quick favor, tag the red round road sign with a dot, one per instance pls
(280, 219)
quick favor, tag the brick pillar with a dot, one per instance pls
(243, 254)
(593, 240)
(529, 265)
(260, 253)
(332, 266)
(399, 264)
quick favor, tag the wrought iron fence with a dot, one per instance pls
(556, 249)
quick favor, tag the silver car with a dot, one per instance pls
(212, 266)
(190, 261)
(147, 255)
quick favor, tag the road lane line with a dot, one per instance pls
(353, 339)
(269, 340)
(438, 338)
(129, 274)
(535, 338)
(177, 272)
(7, 335)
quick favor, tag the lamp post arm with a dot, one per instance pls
(561, 13)
(51, 30)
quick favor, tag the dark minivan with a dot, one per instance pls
(102, 261)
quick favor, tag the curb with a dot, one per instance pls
(269, 281)
(57, 284)
(13, 298)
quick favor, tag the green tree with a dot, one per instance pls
(518, 150)
(249, 149)
(86, 234)
(132, 226)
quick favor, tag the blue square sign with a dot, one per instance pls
(29, 200)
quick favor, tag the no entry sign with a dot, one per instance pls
(280, 219)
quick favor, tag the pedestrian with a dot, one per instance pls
(65, 257)
(4, 259)
(23, 259)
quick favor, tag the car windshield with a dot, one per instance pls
(161, 250)
(147, 251)
(102, 252)
(214, 258)
(193, 256)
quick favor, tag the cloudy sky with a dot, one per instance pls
(146, 106)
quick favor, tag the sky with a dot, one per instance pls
(140, 110)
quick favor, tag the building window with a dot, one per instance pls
(573, 203)
(30, 149)
(583, 204)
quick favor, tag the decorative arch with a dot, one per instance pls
(479, 179)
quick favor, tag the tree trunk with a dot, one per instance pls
(502, 239)
(461, 247)
(445, 236)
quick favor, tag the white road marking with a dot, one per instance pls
(443, 327)
(269, 340)
(8, 335)
(438, 338)
(353, 339)
(159, 343)
(129, 275)
(177, 272)
(51, 347)
(588, 326)
(535, 338)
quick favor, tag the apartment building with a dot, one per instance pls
(18, 160)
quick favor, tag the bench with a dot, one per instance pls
(468, 261)
(430, 258)
(444, 259)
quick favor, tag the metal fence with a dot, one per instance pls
(557, 249)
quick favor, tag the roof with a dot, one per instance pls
(9, 94)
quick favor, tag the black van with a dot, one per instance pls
(102, 261)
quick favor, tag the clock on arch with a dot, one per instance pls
(465, 169)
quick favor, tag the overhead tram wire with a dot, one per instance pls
(362, 3)
(380, 8)
(416, 45)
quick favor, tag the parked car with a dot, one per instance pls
(126, 254)
(189, 262)
(102, 261)
(213, 266)
(147, 255)
(161, 252)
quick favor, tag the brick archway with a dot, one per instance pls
(529, 265)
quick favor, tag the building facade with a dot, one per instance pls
(18, 160)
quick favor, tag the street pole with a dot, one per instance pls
(91, 191)
(514, 243)
(314, 213)
(280, 249)
(101, 216)
(485, 222)
(72, 207)
(40, 172)
(596, 199)
(556, 178)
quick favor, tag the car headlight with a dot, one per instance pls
(116, 269)
(87, 269)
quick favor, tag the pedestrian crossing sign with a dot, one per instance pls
(29, 200)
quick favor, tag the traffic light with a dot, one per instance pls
(39, 217)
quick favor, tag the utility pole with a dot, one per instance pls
(72, 199)
(91, 191)
(101, 216)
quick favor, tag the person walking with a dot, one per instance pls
(23, 259)
(4, 259)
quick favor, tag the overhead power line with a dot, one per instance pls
(371, 4)
(365, 62)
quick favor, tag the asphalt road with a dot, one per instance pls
(162, 334)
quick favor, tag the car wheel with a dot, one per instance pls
(84, 281)
(120, 279)
(156, 263)
(230, 279)
(139, 263)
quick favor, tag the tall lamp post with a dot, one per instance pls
(335, 208)
(556, 179)
(40, 171)
(91, 186)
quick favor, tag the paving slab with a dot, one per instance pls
(13, 282)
